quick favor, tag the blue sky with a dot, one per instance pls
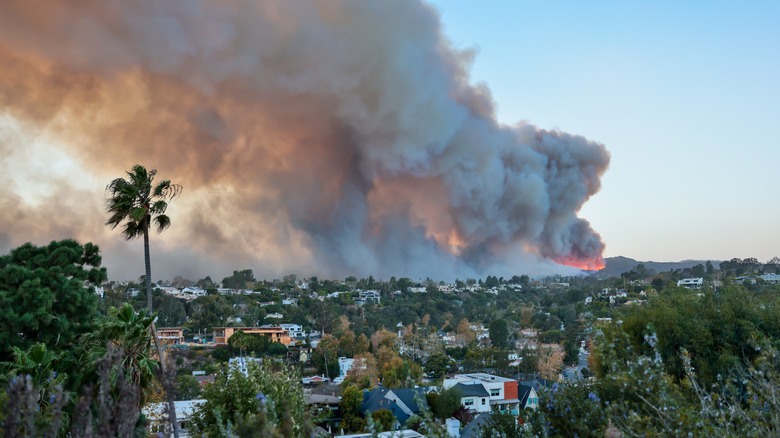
(683, 94)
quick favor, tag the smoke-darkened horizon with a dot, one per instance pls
(328, 138)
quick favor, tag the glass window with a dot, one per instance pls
(483, 401)
(468, 402)
(495, 392)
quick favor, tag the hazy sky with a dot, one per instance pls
(685, 96)
(336, 137)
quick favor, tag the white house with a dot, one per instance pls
(365, 296)
(500, 393)
(691, 283)
(295, 330)
(241, 363)
(345, 363)
(528, 397)
(473, 396)
(194, 291)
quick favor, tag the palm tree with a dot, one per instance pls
(129, 331)
(136, 203)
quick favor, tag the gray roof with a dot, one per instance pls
(523, 392)
(538, 384)
(376, 400)
(473, 429)
(410, 396)
(472, 390)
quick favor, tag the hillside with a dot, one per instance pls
(614, 266)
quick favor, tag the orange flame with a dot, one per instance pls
(586, 264)
(450, 240)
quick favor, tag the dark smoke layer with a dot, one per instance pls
(325, 137)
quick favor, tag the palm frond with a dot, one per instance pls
(162, 221)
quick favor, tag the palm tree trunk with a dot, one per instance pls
(171, 405)
(148, 270)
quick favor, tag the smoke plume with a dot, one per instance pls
(329, 137)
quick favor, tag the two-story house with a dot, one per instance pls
(501, 392)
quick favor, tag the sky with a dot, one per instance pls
(684, 95)
(336, 138)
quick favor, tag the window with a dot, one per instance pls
(495, 392)
(468, 402)
(483, 402)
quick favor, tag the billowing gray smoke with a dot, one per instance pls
(324, 137)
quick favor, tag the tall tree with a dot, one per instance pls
(136, 203)
(499, 333)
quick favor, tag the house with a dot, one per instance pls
(295, 330)
(242, 363)
(528, 397)
(170, 335)
(193, 291)
(501, 392)
(473, 396)
(345, 363)
(403, 403)
(366, 296)
(538, 384)
(529, 333)
(156, 413)
(770, 278)
(314, 380)
(691, 283)
(324, 406)
(274, 333)
(204, 380)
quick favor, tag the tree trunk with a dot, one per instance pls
(166, 384)
(148, 262)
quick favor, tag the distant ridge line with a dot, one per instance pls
(614, 266)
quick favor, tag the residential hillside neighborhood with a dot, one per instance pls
(518, 356)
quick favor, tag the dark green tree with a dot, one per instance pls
(500, 425)
(349, 406)
(170, 310)
(209, 311)
(447, 403)
(44, 295)
(499, 334)
(437, 365)
(239, 279)
(188, 387)
(136, 203)
(383, 420)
